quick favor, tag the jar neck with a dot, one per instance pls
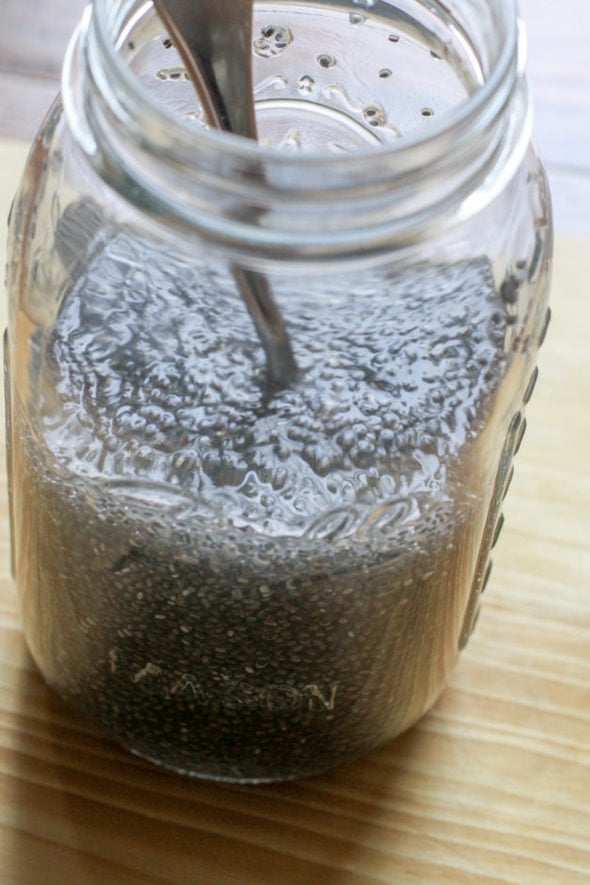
(251, 200)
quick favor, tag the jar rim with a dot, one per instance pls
(257, 201)
(246, 150)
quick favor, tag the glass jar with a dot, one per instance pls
(245, 586)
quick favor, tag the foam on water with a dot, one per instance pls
(167, 372)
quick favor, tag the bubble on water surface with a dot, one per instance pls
(375, 114)
(326, 61)
(178, 72)
(272, 40)
(305, 85)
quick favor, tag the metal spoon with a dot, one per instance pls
(214, 40)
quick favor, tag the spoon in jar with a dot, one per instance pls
(214, 41)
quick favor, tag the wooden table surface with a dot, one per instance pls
(494, 784)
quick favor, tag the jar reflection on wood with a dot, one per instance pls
(251, 589)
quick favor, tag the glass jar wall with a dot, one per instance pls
(252, 584)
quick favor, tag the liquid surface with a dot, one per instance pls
(328, 76)
(150, 382)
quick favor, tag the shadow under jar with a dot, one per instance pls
(242, 588)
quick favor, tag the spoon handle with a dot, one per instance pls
(214, 40)
(281, 368)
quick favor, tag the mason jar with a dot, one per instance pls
(244, 583)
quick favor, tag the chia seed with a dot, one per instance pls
(251, 592)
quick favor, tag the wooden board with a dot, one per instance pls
(492, 786)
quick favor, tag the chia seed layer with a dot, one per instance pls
(240, 591)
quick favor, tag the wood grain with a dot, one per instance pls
(493, 786)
